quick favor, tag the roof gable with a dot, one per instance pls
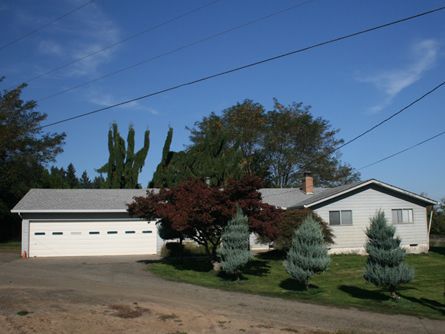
(333, 193)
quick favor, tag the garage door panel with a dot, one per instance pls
(84, 238)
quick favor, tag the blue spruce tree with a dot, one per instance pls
(234, 250)
(308, 254)
(385, 266)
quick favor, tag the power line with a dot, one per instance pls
(185, 46)
(126, 39)
(236, 69)
(409, 105)
(404, 150)
(32, 32)
(391, 116)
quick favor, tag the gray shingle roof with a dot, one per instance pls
(109, 200)
(77, 199)
(328, 192)
(117, 199)
(287, 197)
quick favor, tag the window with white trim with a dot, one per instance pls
(340, 217)
(402, 216)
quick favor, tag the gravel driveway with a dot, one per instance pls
(116, 294)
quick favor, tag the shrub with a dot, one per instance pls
(385, 266)
(176, 249)
(291, 220)
(308, 254)
(234, 251)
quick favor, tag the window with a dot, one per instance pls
(94, 232)
(129, 232)
(39, 233)
(57, 233)
(146, 231)
(112, 232)
(402, 216)
(341, 217)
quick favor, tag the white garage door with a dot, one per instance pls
(87, 238)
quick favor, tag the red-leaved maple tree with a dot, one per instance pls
(200, 212)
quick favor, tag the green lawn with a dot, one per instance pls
(342, 285)
(10, 246)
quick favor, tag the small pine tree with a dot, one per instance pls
(385, 266)
(308, 254)
(71, 178)
(234, 250)
(84, 181)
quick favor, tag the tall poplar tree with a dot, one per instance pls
(124, 165)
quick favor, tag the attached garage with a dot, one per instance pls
(84, 238)
(83, 222)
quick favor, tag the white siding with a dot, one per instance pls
(364, 205)
(255, 244)
(25, 238)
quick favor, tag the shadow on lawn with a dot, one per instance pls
(292, 285)
(360, 293)
(438, 250)
(257, 268)
(432, 304)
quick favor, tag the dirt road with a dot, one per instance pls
(116, 295)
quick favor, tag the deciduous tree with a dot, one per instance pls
(291, 220)
(200, 212)
(25, 149)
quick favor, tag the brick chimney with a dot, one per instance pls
(308, 183)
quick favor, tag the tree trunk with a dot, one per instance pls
(393, 294)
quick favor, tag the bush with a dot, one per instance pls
(308, 254)
(385, 266)
(176, 249)
(291, 220)
(234, 251)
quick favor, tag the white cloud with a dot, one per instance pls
(392, 82)
(104, 100)
(83, 32)
(50, 47)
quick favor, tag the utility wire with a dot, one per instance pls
(391, 116)
(32, 32)
(185, 46)
(236, 69)
(403, 151)
(409, 105)
(126, 39)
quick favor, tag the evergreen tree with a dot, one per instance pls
(385, 266)
(234, 250)
(71, 178)
(85, 182)
(123, 166)
(99, 182)
(308, 254)
(57, 178)
(161, 176)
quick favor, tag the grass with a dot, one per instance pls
(342, 285)
(10, 246)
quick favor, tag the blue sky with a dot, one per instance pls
(353, 84)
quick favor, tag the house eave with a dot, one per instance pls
(19, 211)
(364, 184)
